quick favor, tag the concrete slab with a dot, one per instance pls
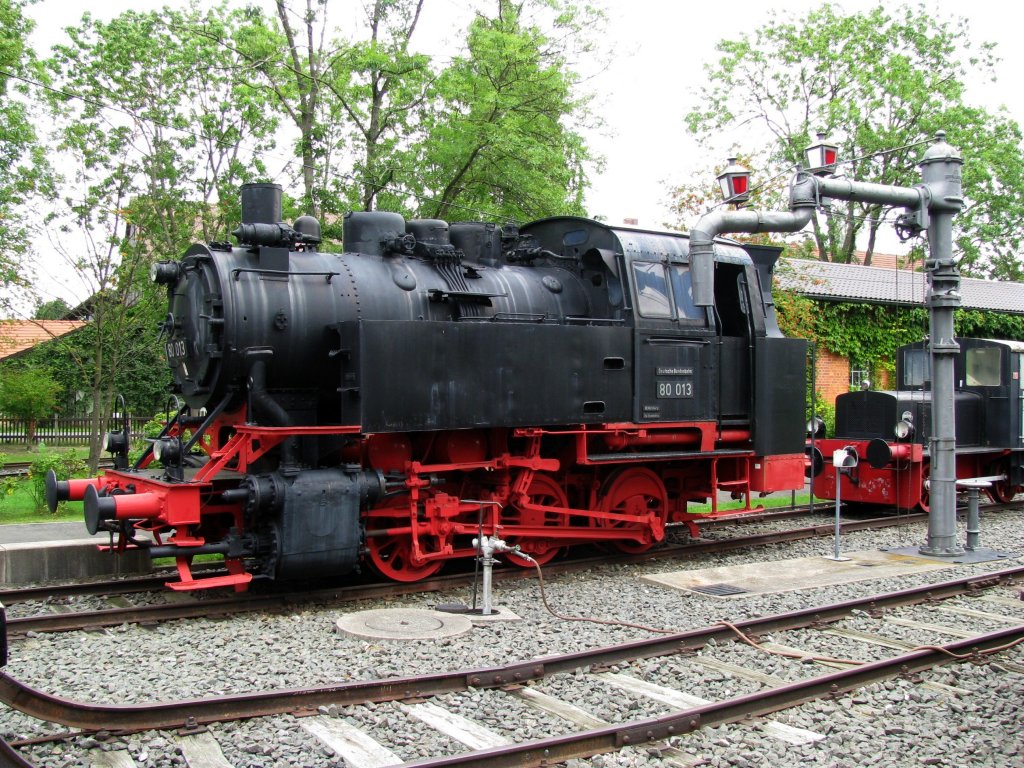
(403, 624)
(790, 575)
(34, 562)
(23, 533)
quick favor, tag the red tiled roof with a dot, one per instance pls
(17, 336)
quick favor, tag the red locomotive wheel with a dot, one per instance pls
(1001, 492)
(924, 504)
(544, 491)
(392, 554)
(634, 491)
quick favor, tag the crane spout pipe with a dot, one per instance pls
(802, 201)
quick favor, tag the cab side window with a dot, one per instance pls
(682, 290)
(984, 367)
(651, 289)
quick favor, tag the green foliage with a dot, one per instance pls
(55, 309)
(870, 334)
(498, 135)
(29, 393)
(150, 429)
(65, 465)
(8, 483)
(493, 133)
(145, 187)
(823, 409)
(878, 82)
(24, 167)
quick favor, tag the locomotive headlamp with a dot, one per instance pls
(115, 442)
(903, 429)
(905, 426)
(734, 182)
(164, 272)
(167, 450)
(816, 427)
(821, 157)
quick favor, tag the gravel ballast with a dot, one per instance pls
(970, 715)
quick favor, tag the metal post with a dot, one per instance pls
(940, 172)
(930, 206)
(973, 519)
(486, 549)
(836, 555)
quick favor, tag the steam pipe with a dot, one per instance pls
(271, 410)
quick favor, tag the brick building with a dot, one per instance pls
(825, 281)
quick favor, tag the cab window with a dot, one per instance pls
(984, 367)
(651, 289)
(916, 368)
(682, 290)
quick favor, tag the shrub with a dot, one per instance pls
(8, 483)
(65, 465)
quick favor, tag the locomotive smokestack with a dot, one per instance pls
(261, 203)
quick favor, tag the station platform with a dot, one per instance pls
(39, 552)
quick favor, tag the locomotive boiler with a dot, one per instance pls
(552, 384)
(889, 432)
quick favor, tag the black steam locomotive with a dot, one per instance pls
(889, 432)
(550, 384)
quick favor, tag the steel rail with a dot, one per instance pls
(112, 617)
(190, 713)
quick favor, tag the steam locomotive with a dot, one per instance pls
(550, 384)
(887, 433)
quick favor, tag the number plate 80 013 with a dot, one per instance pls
(674, 389)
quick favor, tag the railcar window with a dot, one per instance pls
(682, 290)
(651, 289)
(983, 367)
(916, 368)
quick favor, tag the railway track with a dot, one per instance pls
(67, 621)
(346, 718)
(21, 468)
(157, 581)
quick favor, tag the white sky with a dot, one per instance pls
(659, 50)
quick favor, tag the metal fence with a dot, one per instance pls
(60, 430)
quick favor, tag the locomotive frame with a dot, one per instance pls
(553, 384)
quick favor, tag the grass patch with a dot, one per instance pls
(767, 502)
(17, 452)
(19, 506)
(170, 562)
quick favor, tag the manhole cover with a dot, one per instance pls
(403, 624)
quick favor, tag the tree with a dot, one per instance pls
(23, 164)
(879, 84)
(29, 394)
(502, 135)
(55, 309)
(161, 133)
(382, 126)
